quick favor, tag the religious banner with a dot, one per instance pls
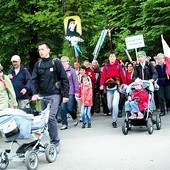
(73, 32)
(99, 43)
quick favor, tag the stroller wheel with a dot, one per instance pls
(31, 160)
(4, 161)
(125, 127)
(51, 153)
(149, 126)
(158, 122)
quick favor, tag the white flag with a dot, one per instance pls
(166, 51)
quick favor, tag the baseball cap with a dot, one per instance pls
(15, 58)
(141, 53)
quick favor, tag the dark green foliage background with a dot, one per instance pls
(24, 23)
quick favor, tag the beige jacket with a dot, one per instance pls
(7, 93)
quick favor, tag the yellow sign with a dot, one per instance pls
(72, 26)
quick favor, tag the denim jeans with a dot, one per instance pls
(113, 97)
(52, 123)
(68, 107)
(131, 106)
(85, 114)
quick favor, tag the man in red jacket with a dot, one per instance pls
(111, 78)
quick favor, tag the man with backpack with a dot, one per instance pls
(111, 77)
(46, 74)
(21, 80)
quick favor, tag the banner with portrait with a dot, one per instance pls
(73, 32)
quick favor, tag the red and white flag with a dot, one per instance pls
(166, 51)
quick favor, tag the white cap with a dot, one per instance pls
(15, 58)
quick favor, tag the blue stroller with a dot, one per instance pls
(147, 120)
(17, 124)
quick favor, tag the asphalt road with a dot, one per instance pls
(105, 148)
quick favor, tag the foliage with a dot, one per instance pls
(26, 22)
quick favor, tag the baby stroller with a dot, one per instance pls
(147, 119)
(16, 124)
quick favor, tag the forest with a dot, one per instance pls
(24, 23)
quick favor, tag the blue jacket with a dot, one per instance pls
(20, 81)
(162, 77)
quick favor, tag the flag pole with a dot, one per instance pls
(127, 53)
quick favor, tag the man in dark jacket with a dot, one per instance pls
(21, 80)
(164, 84)
(144, 69)
(45, 74)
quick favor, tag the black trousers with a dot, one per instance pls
(164, 97)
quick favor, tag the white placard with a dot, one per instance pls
(134, 42)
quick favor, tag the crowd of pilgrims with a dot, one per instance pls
(95, 88)
(102, 89)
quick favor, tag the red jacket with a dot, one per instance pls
(91, 74)
(86, 94)
(129, 77)
(143, 98)
(112, 70)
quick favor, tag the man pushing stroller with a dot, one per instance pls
(137, 101)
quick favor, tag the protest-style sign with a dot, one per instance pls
(134, 42)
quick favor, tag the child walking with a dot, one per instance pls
(86, 100)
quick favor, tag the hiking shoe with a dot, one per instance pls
(120, 114)
(162, 114)
(114, 124)
(89, 125)
(63, 127)
(83, 125)
(76, 121)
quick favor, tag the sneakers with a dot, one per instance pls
(162, 113)
(76, 121)
(114, 124)
(140, 116)
(58, 147)
(133, 116)
(83, 126)
(63, 127)
(120, 114)
(89, 125)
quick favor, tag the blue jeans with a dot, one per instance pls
(131, 106)
(68, 107)
(85, 114)
(52, 123)
(113, 97)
